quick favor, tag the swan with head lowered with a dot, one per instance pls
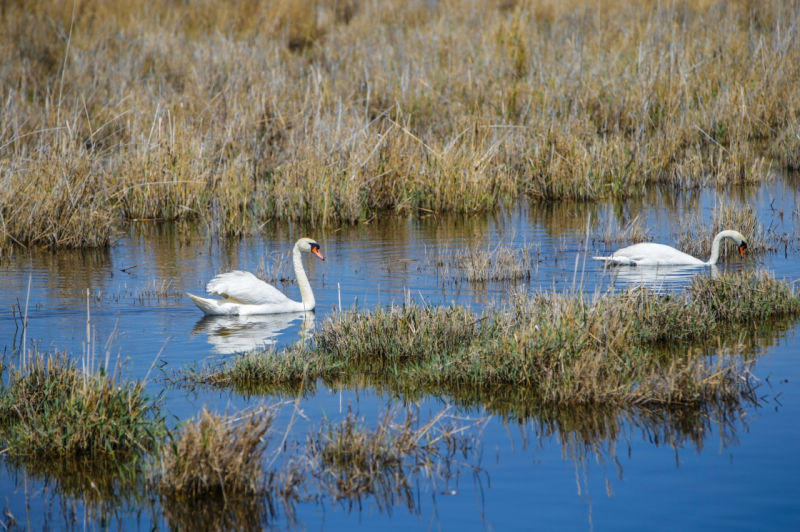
(651, 254)
(244, 294)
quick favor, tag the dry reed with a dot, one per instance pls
(326, 111)
(696, 238)
(216, 457)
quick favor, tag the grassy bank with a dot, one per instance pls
(52, 410)
(627, 348)
(333, 111)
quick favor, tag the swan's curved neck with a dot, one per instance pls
(306, 295)
(715, 247)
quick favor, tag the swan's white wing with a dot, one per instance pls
(244, 287)
(648, 253)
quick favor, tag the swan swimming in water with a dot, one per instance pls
(651, 254)
(245, 294)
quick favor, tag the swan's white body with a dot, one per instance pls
(658, 279)
(650, 254)
(244, 294)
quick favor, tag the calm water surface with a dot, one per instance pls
(632, 474)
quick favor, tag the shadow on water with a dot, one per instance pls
(218, 513)
(84, 491)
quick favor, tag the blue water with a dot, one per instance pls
(742, 475)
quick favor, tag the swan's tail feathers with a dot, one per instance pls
(209, 307)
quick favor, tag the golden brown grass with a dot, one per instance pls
(216, 457)
(499, 262)
(696, 238)
(329, 111)
(629, 348)
(353, 460)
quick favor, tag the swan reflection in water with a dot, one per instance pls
(237, 334)
(659, 279)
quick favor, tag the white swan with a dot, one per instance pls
(245, 294)
(650, 254)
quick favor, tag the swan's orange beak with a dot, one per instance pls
(315, 251)
(743, 249)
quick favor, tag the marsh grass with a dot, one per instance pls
(631, 232)
(52, 410)
(216, 457)
(696, 238)
(212, 473)
(215, 472)
(500, 262)
(289, 372)
(355, 460)
(239, 113)
(634, 347)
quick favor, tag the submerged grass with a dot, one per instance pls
(52, 410)
(634, 347)
(355, 460)
(242, 112)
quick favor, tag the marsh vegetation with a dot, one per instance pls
(267, 118)
(50, 409)
(239, 113)
(108, 445)
(499, 262)
(633, 347)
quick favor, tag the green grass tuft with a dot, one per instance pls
(53, 410)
